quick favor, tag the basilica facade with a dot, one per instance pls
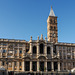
(41, 55)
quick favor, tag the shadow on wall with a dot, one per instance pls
(5, 73)
(44, 73)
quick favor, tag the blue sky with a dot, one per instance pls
(20, 19)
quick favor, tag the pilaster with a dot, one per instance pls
(52, 50)
(38, 66)
(45, 49)
(1, 49)
(52, 66)
(18, 50)
(13, 66)
(58, 66)
(30, 66)
(23, 66)
(31, 47)
(71, 52)
(18, 66)
(37, 48)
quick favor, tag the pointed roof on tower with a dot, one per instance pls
(51, 12)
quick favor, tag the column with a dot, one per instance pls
(52, 50)
(45, 49)
(30, 47)
(13, 66)
(62, 54)
(23, 66)
(46, 65)
(74, 53)
(30, 65)
(18, 66)
(52, 66)
(6, 51)
(24, 49)
(58, 66)
(18, 50)
(13, 51)
(1, 49)
(66, 52)
(37, 48)
(71, 52)
(38, 66)
(57, 51)
(0, 63)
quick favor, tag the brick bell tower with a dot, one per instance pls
(52, 31)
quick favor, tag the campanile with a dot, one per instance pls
(52, 31)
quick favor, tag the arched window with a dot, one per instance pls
(48, 50)
(41, 49)
(54, 21)
(51, 21)
(34, 49)
(51, 27)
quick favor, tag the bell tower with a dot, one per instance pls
(52, 31)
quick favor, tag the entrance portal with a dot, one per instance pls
(27, 66)
(34, 66)
(41, 66)
(49, 66)
(55, 66)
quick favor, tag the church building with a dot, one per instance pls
(41, 55)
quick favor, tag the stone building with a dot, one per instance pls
(38, 55)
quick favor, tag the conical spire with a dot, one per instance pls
(51, 12)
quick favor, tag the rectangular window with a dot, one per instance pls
(20, 69)
(4, 44)
(16, 45)
(20, 51)
(72, 48)
(59, 47)
(4, 51)
(20, 45)
(68, 57)
(73, 64)
(63, 47)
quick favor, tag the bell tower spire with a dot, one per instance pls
(51, 12)
(52, 32)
